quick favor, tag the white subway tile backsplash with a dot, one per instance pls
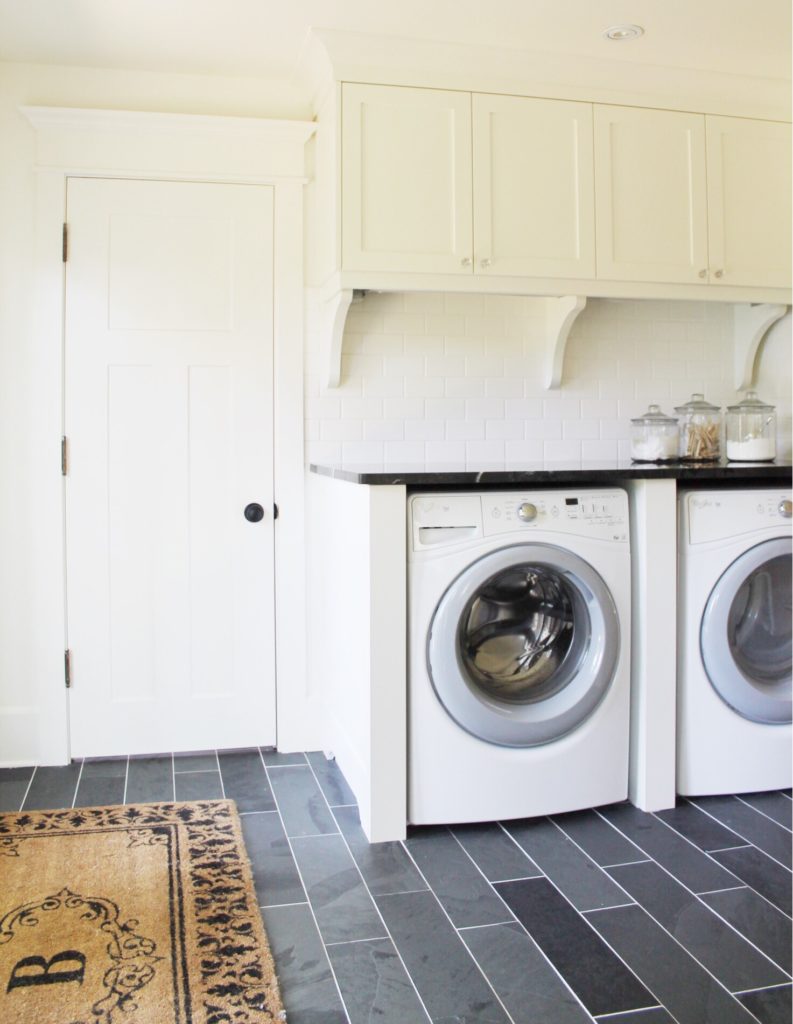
(458, 378)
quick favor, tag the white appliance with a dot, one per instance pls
(518, 661)
(734, 642)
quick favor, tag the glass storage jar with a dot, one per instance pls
(700, 430)
(750, 428)
(654, 437)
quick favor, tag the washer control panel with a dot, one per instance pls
(718, 515)
(589, 513)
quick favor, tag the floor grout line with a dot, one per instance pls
(758, 811)
(77, 784)
(762, 988)
(747, 841)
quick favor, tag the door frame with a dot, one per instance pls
(170, 147)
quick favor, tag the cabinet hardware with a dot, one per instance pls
(719, 273)
(703, 273)
(466, 261)
(486, 263)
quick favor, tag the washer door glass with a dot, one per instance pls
(524, 645)
(746, 642)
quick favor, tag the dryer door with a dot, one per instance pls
(745, 636)
(524, 645)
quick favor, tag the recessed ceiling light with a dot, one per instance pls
(620, 32)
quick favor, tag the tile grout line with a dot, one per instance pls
(305, 888)
(747, 841)
(27, 788)
(77, 784)
(625, 1013)
(492, 885)
(726, 849)
(222, 783)
(173, 777)
(762, 988)
(126, 779)
(757, 810)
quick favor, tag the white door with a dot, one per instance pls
(749, 201)
(406, 188)
(534, 204)
(168, 398)
(650, 195)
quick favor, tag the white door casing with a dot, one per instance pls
(168, 414)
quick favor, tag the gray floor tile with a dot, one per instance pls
(301, 802)
(689, 865)
(598, 839)
(201, 761)
(307, 987)
(449, 982)
(497, 856)
(52, 788)
(150, 780)
(466, 896)
(585, 884)
(245, 781)
(374, 983)
(331, 779)
(753, 827)
(773, 1006)
(385, 866)
(99, 791)
(698, 827)
(676, 980)
(275, 757)
(343, 908)
(527, 985)
(12, 793)
(728, 957)
(274, 871)
(198, 786)
(104, 768)
(762, 924)
(775, 805)
(764, 875)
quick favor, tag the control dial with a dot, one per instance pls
(785, 508)
(527, 512)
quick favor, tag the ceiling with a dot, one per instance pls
(265, 39)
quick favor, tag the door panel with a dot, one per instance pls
(168, 357)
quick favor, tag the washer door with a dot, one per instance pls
(524, 645)
(745, 636)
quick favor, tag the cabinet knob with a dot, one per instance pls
(465, 261)
(719, 273)
(486, 263)
(703, 273)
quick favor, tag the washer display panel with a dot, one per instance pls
(746, 636)
(523, 645)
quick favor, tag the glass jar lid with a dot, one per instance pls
(697, 404)
(751, 404)
(656, 417)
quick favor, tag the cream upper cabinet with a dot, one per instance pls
(749, 208)
(406, 180)
(651, 205)
(533, 187)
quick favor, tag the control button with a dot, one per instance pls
(555, 510)
(496, 513)
(785, 508)
(527, 512)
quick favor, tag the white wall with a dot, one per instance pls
(457, 378)
(28, 443)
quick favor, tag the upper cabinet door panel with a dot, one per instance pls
(749, 208)
(534, 211)
(406, 179)
(651, 206)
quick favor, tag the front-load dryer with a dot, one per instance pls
(519, 673)
(734, 642)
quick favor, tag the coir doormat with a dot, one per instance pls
(142, 914)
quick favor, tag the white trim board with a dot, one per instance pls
(177, 147)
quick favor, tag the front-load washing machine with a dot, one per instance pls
(519, 669)
(734, 642)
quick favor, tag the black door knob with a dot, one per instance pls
(254, 512)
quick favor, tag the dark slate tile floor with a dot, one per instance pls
(610, 915)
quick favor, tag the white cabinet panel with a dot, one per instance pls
(533, 187)
(406, 179)
(651, 205)
(749, 207)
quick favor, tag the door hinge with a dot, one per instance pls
(67, 668)
(65, 243)
(275, 511)
(64, 456)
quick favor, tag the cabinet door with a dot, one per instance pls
(533, 187)
(650, 206)
(406, 179)
(749, 209)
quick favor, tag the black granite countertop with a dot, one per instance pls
(607, 473)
